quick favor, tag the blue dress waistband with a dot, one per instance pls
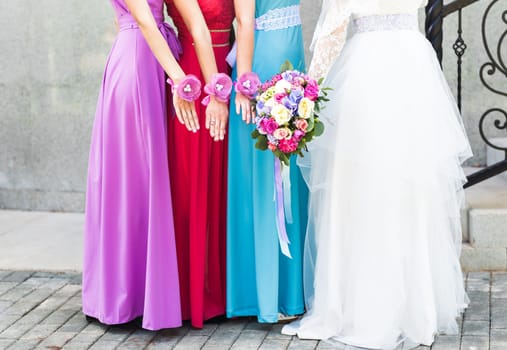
(280, 18)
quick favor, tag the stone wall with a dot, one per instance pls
(52, 58)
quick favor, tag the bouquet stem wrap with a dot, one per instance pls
(283, 238)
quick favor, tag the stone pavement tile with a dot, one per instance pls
(77, 346)
(4, 273)
(276, 332)
(4, 304)
(498, 339)
(249, 339)
(275, 344)
(105, 345)
(207, 329)
(474, 343)
(4, 343)
(18, 276)
(6, 286)
(24, 345)
(478, 311)
(447, 342)
(137, 340)
(476, 328)
(167, 338)
(116, 334)
(6, 321)
(21, 307)
(56, 340)
(17, 292)
(299, 344)
(87, 337)
(323, 345)
(39, 332)
(191, 343)
(75, 324)
(478, 282)
(499, 313)
(225, 335)
(58, 317)
(253, 324)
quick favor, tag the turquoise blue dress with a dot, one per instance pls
(261, 281)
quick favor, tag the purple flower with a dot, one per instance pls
(262, 109)
(291, 102)
(248, 84)
(298, 135)
(272, 139)
(188, 89)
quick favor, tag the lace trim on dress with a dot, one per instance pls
(281, 18)
(385, 22)
(327, 48)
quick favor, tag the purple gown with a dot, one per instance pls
(130, 266)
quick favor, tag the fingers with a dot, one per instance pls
(179, 115)
(238, 106)
(193, 117)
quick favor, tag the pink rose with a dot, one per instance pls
(272, 147)
(302, 124)
(312, 90)
(298, 135)
(282, 133)
(288, 146)
(269, 125)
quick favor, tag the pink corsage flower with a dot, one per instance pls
(220, 86)
(188, 89)
(248, 84)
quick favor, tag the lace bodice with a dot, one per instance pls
(331, 31)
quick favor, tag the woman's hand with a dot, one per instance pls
(245, 108)
(185, 112)
(217, 115)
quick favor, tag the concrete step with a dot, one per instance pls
(485, 225)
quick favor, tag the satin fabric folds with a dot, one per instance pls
(130, 267)
(199, 179)
(261, 281)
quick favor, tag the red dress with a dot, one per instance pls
(198, 167)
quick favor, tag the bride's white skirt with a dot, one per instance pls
(382, 253)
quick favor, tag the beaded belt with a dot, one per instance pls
(280, 18)
(385, 22)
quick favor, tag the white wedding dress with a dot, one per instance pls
(382, 254)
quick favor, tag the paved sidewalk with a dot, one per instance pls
(40, 310)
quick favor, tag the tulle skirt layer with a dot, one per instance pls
(382, 253)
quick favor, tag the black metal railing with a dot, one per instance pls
(436, 12)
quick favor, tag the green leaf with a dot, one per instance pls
(262, 143)
(320, 81)
(311, 125)
(319, 128)
(256, 134)
(287, 65)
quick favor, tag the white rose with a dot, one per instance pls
(306, 107)
(281, 114)
(282, 86)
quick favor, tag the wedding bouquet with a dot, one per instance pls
(287, 113)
